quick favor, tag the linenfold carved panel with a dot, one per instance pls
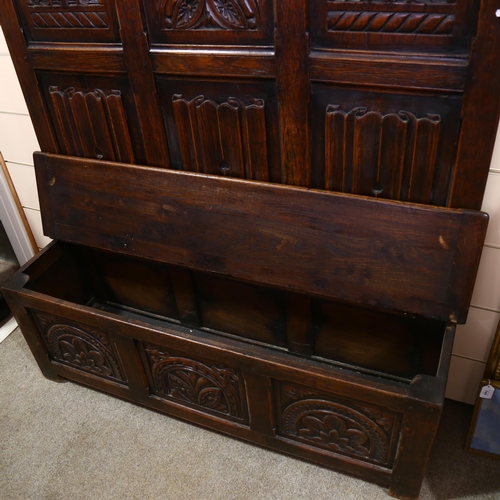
(212, 387)
(211, 14)
(82, 347)
(92, 124)
(363, 432)
(224, 139)
(369, 153)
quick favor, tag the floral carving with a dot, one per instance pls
(362, 432)
(188, 13)
(333, 431)
(214, 388)
(211, 14)
(89, 350)
(385, 420)
(77, 352)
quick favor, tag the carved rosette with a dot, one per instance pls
(362, 432)
(211, 14)
(89, 350)
(214, 388)
(87, 14)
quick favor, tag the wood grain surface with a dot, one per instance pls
(390, 255)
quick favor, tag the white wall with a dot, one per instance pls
(18, 141)
(474, 339)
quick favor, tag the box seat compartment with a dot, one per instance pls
(393, 344)
(315, 323)
(318, 408)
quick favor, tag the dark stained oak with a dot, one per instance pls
(65, 311)
(266, 211)
(373, 252)
(77, 59)
(431, 52)
(480, 112)
(389, 70)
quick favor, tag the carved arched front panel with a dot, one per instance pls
(212, 387)
(81, 347)
(360, 431)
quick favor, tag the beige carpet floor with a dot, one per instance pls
(64, 441)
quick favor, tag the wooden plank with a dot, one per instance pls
(185, 297)
(292, 80)
(420, 425)
(385, 254)
(253, 63)
(375, 69)
(480, 113)
(77, 59)
(274, 364)
(140, 73)
(259, 393)
(299, 324)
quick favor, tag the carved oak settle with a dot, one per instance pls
(265, 211)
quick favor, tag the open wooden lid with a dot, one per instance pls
(392, 255)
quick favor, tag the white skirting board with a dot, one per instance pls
(17, 229)
(7, 328)
(13, 218)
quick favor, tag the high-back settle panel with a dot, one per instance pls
(386, 99)
(267, 211)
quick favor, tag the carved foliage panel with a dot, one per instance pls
(390, 22)
(350, 428)
(228, 132)
(80, 346)
(208, 386)
(70, 20)
(217, 21)
(399, 147)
